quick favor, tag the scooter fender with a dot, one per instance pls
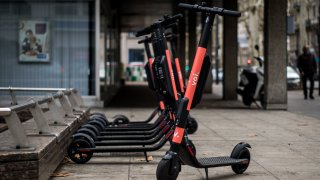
(171, 155)
(238, 147)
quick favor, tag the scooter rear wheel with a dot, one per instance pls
(98, 114)
(163, 170)
(97, 124)
(92, 128)
(242, 153)
(120, 119)
(75, 155)
(99, 118)
(88, 132)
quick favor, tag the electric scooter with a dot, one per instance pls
(122, 119)
(182, 150)
(192, 124)
(251, 83)
(171, 39)
(83, 146)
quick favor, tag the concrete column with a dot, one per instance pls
(230, 53)
(275, 52)
(97, 48)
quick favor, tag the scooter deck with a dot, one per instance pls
(220, 161)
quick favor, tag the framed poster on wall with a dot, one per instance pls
(33, 41)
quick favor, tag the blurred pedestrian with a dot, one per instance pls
(308, 67)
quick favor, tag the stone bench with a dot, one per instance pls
(45, 151)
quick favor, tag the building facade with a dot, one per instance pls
(57, 43)
(305, 27)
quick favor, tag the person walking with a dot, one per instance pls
(308, 67)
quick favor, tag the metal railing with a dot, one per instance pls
(12, 91)
(70, 103)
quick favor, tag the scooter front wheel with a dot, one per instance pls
(164, 168)
(192, 125)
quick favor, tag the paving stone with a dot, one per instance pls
(284, 146)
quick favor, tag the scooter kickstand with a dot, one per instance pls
(145, 155)
(206, 170)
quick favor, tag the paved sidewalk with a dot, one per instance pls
(284, 146)
(297, 104)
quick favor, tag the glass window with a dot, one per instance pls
(60, 30)
(136, 55)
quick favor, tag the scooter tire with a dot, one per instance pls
(163, 170)
(242, 153)
(192, 125)
(79, 157)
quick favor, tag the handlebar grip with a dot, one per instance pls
(231, 13)
(167, 22)
(144, 31)
(186, 6)
(214, 10)
(146, 39)
(171, 20)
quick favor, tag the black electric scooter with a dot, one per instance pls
(122, 119)
(192, 124)
(171, 38)
(83, 146)
(182, 150)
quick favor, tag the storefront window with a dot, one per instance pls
(47, 44)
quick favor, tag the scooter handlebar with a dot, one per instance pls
(144, 31)
(146, 39)
(214, 10)
(170, 21)
(231, 13)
